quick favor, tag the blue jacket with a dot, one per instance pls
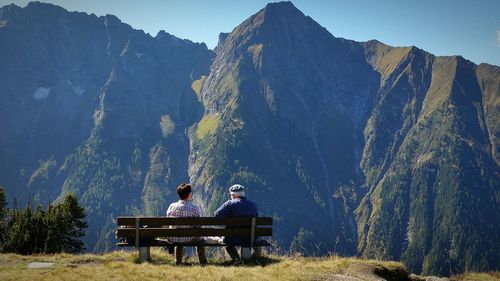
(239, 207)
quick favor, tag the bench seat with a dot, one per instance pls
(146, 232)
(163, 243)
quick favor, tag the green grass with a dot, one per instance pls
(388, 58)
(207, 126)
(197, 85)
(443, 75)
(123, 265)
(474, 276)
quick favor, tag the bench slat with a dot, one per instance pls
(159, 221)
(161, 243)
(129, 233)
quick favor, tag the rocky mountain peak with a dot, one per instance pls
(276, 21)
(10, 7)
(164, 36)
(42, 5)
(279, 28)
(280, 18)
(111, 19)
(45, 9)
(386, 152)
(283, 8)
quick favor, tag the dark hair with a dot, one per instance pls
(183, 190)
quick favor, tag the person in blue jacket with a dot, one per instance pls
(238, 206)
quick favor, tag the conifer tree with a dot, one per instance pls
(3, 215)
(20, 231)
(40, 230)
(74, 226)
(65, 226)
(58, 229)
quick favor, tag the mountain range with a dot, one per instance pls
(355, 148)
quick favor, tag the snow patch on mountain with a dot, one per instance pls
(41, 93)
(77, 89)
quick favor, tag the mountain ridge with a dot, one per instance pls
(353, 147)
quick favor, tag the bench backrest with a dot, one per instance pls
(137, 228)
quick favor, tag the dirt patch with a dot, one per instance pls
(375, 272)
(83, 262)
(359, 271)
(340, 277)
(86, 261)
(7, 261)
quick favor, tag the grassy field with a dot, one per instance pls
(124, 266)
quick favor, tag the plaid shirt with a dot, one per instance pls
(181, 209)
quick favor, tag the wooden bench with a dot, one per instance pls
(146, 232)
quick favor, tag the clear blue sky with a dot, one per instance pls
(470, 28)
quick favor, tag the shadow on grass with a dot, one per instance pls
(260, 261)
(170, 260)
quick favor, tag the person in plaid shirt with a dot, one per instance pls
(185, 208)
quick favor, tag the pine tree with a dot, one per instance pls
(65, 226)
(3, 215)
(20, 231)
(74, 225)
(27, 231)
(40, 230)
(51, 220)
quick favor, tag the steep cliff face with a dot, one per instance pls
(92, 106)
(285, 103)
(330, 125)
(47, 86)
(434, 202)
(488, 78)
(353, 148)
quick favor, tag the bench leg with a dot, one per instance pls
(202, 257)
(144, 254)
(179, 253)
(257, 252)
(246, 253)
(233, 253)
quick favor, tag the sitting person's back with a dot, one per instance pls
(181, 209)
(185, 208)
(238, 206)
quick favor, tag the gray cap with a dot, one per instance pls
(236, 188)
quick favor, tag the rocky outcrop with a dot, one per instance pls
(353, 147)
(90, 105)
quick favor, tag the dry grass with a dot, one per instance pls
(197, 85)
(123, 266)
(388, 58)
(483, 276)
(443, 73)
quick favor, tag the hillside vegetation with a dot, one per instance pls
(122, 265)
(354, 148)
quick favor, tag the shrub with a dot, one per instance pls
(57, 229)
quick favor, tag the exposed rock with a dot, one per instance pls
(38, 265)
(388, 152)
